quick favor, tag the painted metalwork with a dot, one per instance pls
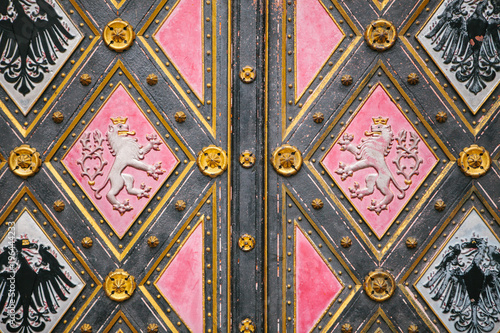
(287, 160)
(380, 35)
(247, 74)
(247, 159)
(474, 161)
(246, 242)
(379, 285)
(119, 285)
(212, 161)
(24, 161)
(118, 35)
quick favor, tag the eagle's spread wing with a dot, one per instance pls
(4, 282)
(51, 284)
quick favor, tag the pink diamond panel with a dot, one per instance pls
(315, 284)
(182, 282)
(180, 36)
(317, 37)
(371, 169)
(119, 171)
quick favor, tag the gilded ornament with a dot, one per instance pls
(85, 79)
(152, 79)
(152, 328)
(318, 117)
(24, 161)
(317, 203)
(153, 241)
(180, 117)
(346, 328)
(86, 328)
(247, 159)
(247, 326)
(346, 80)
(118, 35)
(87, 242)
(246, 242)
(413, 79)
(119, 285)
(345, 242)
(441, 116)
(212, 161)
(247, 74)
(411, 242)
(379, 285)
(58, 117)
(380, 35)
(59, 205)
(413, 328)
(286, 160)
(439, 205)
(474, 161)
(180, 205)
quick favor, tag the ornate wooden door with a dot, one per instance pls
(286, 166)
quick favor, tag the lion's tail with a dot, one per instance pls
(98, 190)
(402, 190)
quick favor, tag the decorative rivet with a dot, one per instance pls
(180, 205)
(346, 80)
(247, 159)
(59, 205)
(441, 117)
(152, 79)
(379, 285)
(411, 242)
(474, 161)
(153, 241)
(87, 242)
(317, 203)
(413, 328)
(247, 74)
(24, 161)
(247, 326)
(346, 242)
(118, 35)
(85, 79)
(286, 160)
(318, 117)
(58, 117)
(86, 328)
(380, 35)
(180, 117)
(119, 285)
(440, 205)
(413, 79)
(346, 328)
(212, 161)
(246, 242)
(152, 328)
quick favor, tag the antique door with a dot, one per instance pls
(200, 166)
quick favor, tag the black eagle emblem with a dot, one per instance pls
(39, 286)
(31, 36)
(467, 284)
(466, 34)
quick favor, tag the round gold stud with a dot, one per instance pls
(247, 159)
(59, 205)
(346, 242)
(441, 116)
(152, 79)
(152, 328)
(119, 285)
(118, 35)
(247, 74)
(346, 328)
(58, 117)
(153, 241)
(85, 79)
(346, 80)
(380, 35)
(379, 285)
(412, 79)
(413, 328)
(318, 117)
(87, 242)
(439, 205)
(286, 160)
(24, 161)
(317, 203)
(474, 161)
(212, 161)
(411, 242)
(86, 328)
(180, 117)
(180, 205)
(246, 242)
(247, 326)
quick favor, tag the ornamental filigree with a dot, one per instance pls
(24, 161)
(212, 161)
(287, 160)
(474, 161)
(380, 35)
(379, 285)
(118, 35)
(119, 285)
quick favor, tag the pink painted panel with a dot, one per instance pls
(379, 104)
(181, 38)
(315, 284)
(120, 104)
(182, 281)
(317, 37)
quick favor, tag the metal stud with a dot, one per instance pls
(85, 79)
(346, 242)
(317, 203)
(59, 205)
(246, 242)
(413, 79)
(180, 205)
(439, 205)
(411, 242)
(87, 242)
(318, 117)
(58, 117)
(152, 79)
(153, 241)
(441, 117)
(346, 80)
(180, 117)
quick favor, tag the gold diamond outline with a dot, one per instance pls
(377, 314)
(119, 315)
